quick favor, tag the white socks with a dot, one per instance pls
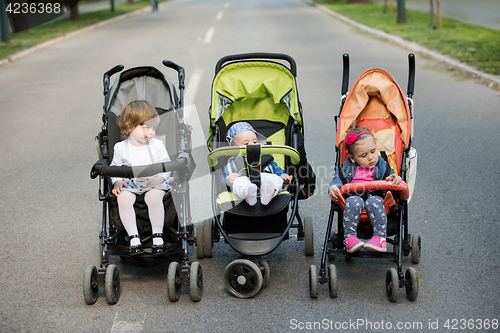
(250, 194)
(266, 191)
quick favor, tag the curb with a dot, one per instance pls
(49, 43)
(492, 81)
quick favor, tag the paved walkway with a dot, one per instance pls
(485, 13)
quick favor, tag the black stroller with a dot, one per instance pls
(252, 88)
(377, 102)
(146, 83)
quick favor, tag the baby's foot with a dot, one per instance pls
(377, 244)
(266, 191)
(250, 194)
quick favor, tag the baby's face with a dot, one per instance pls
(365, 153)
(245, 138)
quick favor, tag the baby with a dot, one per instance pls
(272, 176)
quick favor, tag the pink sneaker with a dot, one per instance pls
(353, 244)
(376, 244)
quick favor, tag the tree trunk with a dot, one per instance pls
(74, 15)
(440, 19)
(433, 26)
(401, 12)
(20, 23)
(130, 2)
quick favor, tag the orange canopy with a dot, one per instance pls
(376, 95)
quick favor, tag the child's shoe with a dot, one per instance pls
(158, 246)
(353, 244)
(250, 194)
(376, 244)
(135, 247)
(266, 191)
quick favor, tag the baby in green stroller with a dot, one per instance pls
(234, 175)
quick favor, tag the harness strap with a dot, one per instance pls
(253, 164)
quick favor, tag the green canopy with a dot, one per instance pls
(254, 90)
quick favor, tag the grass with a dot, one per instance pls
(54, 29)
(473, 45)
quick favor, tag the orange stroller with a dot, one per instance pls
(376, 102)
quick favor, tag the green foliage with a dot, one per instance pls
(473, 45)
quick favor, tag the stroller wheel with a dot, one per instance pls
(200, 247)
(392, 285)
(112, 284)
(411, 281)
(174, 281)
(266, 271)
(243, 278)
(415, 249)
(308, 236)
(90, 284)
(207, 238)
(313, 281)
(196, 282)
(332, 285)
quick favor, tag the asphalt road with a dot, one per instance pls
(51, 107)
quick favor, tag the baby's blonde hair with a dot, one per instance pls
(137, 113)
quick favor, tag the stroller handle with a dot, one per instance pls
(114, 70)
(411, 75)
(101, 168)
(378, 185)
(257, 55)
(213, 157)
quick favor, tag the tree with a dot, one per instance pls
(72, 5)
(390, 6)
(4, 22)
(440, 19)
(433, 26)
(401, 11)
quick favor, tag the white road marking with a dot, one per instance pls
(126, 326)
(209, 35)
(192, 86)
(219, 16)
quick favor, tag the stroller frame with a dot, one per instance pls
(251, 266)
(186, 272)
(403, 243)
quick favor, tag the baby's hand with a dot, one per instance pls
(334, 193)
(118, 188)
(395, 179)
(232, 177)
(286, 177)
(156, 181)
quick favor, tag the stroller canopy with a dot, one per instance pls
(377, 102)
(254, 90)
(376, 95)
(142, 83)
